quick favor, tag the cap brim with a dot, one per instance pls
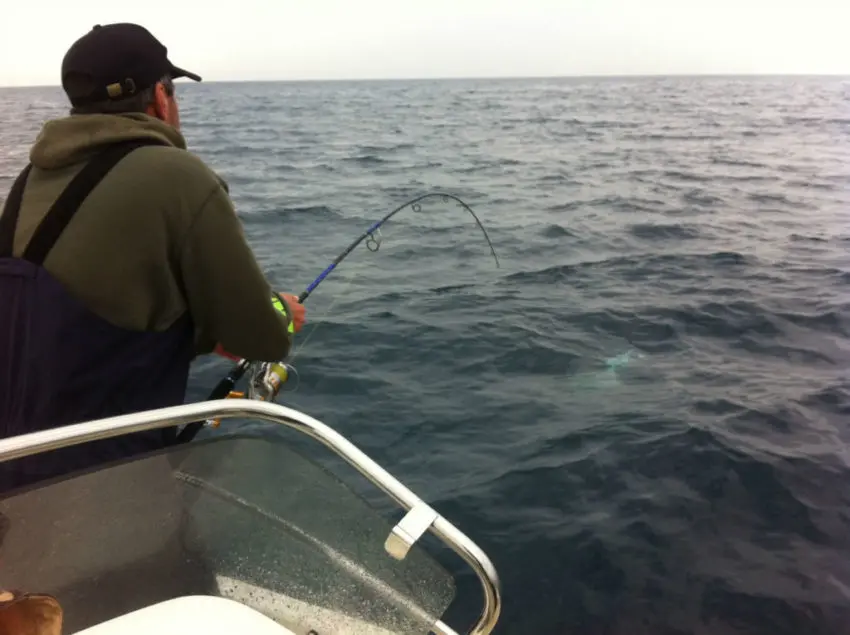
(176, 72)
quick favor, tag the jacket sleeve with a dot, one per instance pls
(228, 296)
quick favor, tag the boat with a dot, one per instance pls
(240, 531)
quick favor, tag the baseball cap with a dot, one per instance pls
(115, 61)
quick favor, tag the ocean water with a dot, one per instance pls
(642, 415)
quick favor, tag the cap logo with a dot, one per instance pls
(116, 89)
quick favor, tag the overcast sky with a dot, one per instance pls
(350, 39)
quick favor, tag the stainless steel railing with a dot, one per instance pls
(420, 516)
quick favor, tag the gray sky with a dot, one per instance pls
(341, 39)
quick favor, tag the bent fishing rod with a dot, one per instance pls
(372, 238)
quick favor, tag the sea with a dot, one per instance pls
(641, 414)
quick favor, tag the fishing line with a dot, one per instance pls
(373, 239)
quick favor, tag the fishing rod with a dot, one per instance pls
(276, 373)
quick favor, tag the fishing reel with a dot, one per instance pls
(265, 381)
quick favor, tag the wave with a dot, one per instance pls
(556, 231)
(366, 160)
(277, 216)
(652, 231)
(637, 265)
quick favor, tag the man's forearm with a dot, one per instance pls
(229, 297)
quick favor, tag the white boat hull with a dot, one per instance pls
(191, 614)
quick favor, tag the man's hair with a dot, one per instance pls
(135, 103)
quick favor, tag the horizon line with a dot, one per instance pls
(483, 77)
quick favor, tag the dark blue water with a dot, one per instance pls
(642, 415)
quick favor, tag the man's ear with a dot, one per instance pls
(161, 103)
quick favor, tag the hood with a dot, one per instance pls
(66, 141)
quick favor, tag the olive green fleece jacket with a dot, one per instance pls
(156, 238)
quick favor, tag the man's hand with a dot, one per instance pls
(298, 311)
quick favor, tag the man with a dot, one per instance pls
(121, 259)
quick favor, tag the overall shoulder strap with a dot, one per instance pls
(9, 219)
(63, 210)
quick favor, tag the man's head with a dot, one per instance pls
(121, 68)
